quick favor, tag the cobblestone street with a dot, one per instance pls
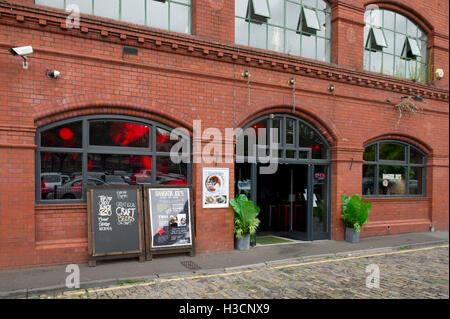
(405, 273)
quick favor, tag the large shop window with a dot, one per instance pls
(393, 168)
(174, 15)
(105, 150)
(297, 27)
(394, 45)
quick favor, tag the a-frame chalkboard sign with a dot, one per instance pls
(169, 220)
(115, 222)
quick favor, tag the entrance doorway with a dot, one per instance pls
(295, 200)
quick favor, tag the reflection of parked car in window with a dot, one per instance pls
(73, 189)
(65, 179)
(45, 190)
(115, 180)
(172, 179)
(98, 175)
(144, 176)
(52, 179)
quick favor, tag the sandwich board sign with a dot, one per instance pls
(115, 222)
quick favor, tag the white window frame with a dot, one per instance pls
(308, 18)
(377, 35)
(411, 44)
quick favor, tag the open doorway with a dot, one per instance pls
(282, 198)
(295, 200)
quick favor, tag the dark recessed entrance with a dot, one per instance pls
(295, 200)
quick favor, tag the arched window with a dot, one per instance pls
(174, 15)
(104, 150)
(393, 168)
(297, 27)
(394, 45)
(296, 139)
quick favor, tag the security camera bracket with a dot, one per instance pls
(25, 62)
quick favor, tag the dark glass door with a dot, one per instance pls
(298, 201)
(294, 200)
(320, 202)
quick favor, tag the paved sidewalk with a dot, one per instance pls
(27, 282)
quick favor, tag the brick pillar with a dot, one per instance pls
(346, 179)
(214, 226)
(438, 45)
(348, 35)
(437, 188)
(17, 219)
(213, 20)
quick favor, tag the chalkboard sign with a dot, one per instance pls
(169, 220)
(115, 222)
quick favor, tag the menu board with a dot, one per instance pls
(169, 213)
(216, 192)
(115, 220)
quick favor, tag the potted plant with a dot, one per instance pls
(355, 215)
(245, 220)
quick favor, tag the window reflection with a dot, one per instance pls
(117, 153)
(170, 173)
(60, 173)
(108, 133)
(399, 46)
(398, 174)
(391, 180)
(154, 13)
(66, 136)
(295, 27)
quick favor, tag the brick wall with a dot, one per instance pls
(176, 79)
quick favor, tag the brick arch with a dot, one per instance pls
(91, 104)
(329, 133)
(403, 137)
(407, 11)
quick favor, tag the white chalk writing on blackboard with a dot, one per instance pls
(125, 213)
(122, 195)
(104, 205)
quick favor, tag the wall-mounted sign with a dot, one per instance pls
(169, 219)
(115, 222)
(216, 192)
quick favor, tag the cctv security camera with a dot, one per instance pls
(53, 74)
(22, 51)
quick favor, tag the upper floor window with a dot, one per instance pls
(394, 45)
(393, 168)
(174, 15)
(297, 27)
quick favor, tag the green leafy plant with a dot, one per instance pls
(245, 212)
(355, 211)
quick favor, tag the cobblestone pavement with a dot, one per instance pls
(404, 273)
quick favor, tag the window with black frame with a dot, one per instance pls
(393, 168)
(97, 150)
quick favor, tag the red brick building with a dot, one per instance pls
(148, 66)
